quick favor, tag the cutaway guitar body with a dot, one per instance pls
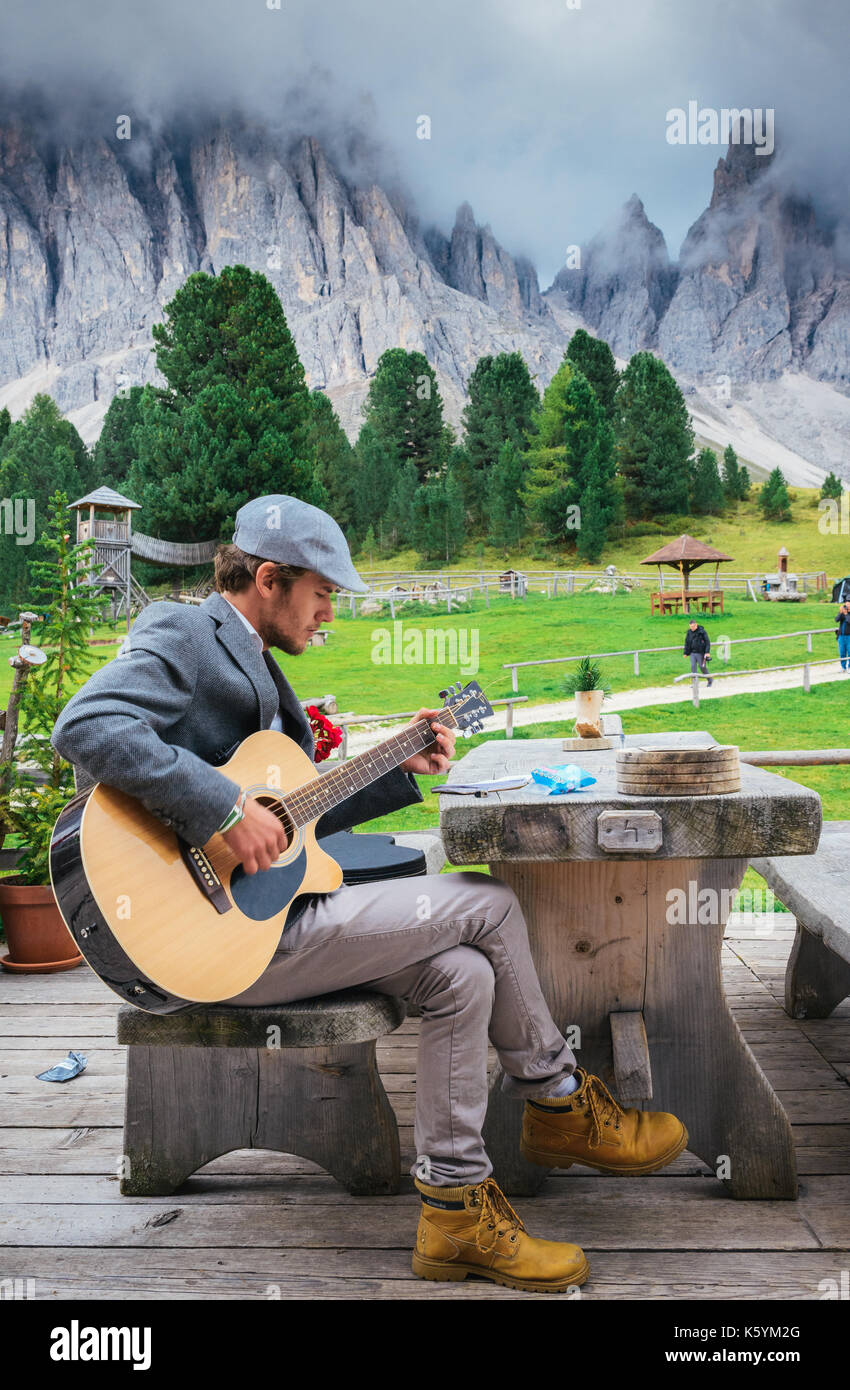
(166, 924)
(124, 890)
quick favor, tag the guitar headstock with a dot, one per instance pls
(465, 707)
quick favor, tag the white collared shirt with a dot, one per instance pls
(276, 723)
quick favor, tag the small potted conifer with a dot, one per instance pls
(586, 683)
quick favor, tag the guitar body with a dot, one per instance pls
(144, 922)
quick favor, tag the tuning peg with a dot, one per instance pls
(444, 694)
(459, 686)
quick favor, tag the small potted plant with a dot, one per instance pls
(34, 791)
(586, 683)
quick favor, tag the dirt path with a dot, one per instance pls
(564, 710)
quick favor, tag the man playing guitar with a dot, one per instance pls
(190, 684)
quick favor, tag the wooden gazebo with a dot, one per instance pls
(685, 555)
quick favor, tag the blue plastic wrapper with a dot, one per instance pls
(565, 777)
(69, 1067)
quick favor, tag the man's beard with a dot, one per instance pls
(274, 634)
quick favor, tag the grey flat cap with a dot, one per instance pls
(292, 532)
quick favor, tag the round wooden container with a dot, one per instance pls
(679, 771)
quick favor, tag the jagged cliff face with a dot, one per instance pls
(758, 290)
(95, 240)
(624, 284)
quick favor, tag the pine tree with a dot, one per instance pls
(501, 405)
(831, 486)
(595, 359)
(707, 492)
(234, 420)
(405, 411)
(548, 493)
(654, 439)
(398, 518)
(581, 472)
(506, 510)
(773, 498)
(743, 483)
(731, 474)
(455, 521)
(377, 472)
(116, 449)
(333, 460)
(42, 453)
(437, 519)
(368, 545)
(5, 424)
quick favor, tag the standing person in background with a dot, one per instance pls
(842, 632)
(697, 647)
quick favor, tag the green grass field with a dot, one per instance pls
(752, 542)
(530, 629)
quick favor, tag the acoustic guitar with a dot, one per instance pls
(166, 924)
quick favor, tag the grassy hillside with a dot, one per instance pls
(745, 535)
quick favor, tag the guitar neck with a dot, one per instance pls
(306, 803)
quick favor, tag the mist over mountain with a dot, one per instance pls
(98, 233)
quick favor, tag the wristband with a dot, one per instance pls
(234, 816)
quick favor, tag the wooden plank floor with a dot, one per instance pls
(260, 1225)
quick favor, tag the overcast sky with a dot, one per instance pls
(544, 117)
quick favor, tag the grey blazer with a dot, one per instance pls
(191, 686)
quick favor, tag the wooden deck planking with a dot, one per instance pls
(262, 1225)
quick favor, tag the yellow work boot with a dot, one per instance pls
(589, 1127)
(475, 1230)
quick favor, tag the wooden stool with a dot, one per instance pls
(300, 1078)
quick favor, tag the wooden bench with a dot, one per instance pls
(816, 888)
(300, 1078)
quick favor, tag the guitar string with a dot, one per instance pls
(307, 797)
(301, 804)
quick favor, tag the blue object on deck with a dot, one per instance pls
(65, 1070)
(565, 777)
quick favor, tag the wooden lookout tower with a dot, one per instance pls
(104, 517)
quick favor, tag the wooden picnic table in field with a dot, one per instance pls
(626, 899)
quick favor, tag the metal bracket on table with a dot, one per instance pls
(635, 831)
(632, 1071)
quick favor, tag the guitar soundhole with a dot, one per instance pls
(277, 807)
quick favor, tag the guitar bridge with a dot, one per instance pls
(205, 876)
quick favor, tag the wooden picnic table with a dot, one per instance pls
(671, 601)
(626, 900)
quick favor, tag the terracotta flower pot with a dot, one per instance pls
(37, 937)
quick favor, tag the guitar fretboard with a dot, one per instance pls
(306, 803)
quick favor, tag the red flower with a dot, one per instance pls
(327, 735)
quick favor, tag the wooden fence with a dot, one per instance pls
(638, 652)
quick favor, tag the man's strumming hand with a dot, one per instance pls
(432, 760)
(258, 838)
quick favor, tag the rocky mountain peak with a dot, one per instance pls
(738, 171)
(624, 283)
(97, 235)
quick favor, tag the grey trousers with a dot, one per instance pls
(457, 946)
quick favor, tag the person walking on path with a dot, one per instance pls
(697, 647)
(842, 632)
